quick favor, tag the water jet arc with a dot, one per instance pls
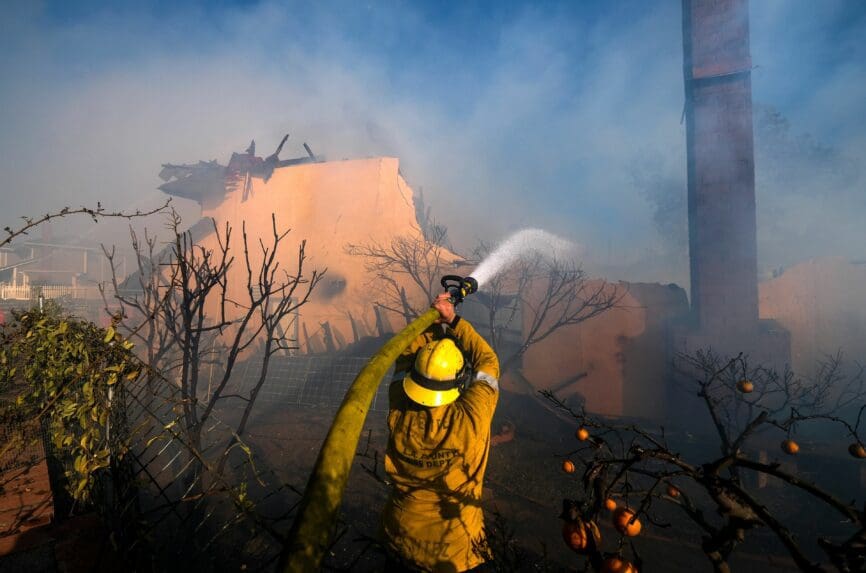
(517, 245)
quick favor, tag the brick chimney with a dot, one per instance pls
(721, 190)
(721, 166)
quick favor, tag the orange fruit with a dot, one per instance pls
(673, 491)
(857, 450)
(582, 434)
(568, 466)
(617, 565)
(576, 534)
(790, 447)
(622, 521)
(610, 504)
(745, 386)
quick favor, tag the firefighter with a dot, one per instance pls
(441, 405)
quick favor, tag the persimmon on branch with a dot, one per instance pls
(97, 213)
(743, 400)
(639, 469)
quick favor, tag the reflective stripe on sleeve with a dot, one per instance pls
(488, 379)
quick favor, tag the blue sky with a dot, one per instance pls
(563, 115)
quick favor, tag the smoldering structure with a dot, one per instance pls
(328, 204)
(617, 363)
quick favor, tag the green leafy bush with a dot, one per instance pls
(63, 372)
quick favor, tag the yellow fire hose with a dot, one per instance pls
(314, 524)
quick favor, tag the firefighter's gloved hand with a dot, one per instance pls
(443, 304)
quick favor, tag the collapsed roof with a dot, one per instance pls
(209, 181)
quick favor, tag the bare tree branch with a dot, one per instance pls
(97, 213)
(631, 462)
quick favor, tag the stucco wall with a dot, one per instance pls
(330, 205)
(822, 303)
(618, 361)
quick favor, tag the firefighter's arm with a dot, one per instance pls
(484, 360)
(480, 398)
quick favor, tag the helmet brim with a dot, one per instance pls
(426, 397)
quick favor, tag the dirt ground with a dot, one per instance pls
(524, 487)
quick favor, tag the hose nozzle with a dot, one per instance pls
(459, 287)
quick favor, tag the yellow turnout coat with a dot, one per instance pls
(436, 457)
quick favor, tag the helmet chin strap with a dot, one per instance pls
(464, 376)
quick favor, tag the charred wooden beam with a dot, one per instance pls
(310, 152)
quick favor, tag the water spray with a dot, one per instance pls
(518, 245)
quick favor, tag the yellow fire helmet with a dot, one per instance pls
(439, 374)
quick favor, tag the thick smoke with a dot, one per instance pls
(808, 195)
(565, 117)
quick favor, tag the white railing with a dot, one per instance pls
(28, 292)
(14, 292)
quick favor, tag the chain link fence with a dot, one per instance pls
(23, 445)
(206, 496)
(179, 496)
(310, 381)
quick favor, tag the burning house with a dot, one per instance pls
(617, 363)
(328, 204)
